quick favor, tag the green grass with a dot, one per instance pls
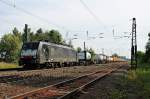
(136, 85)
(143, 73)
(8, 65)
(139, 79)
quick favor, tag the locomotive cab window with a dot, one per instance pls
(29, 49)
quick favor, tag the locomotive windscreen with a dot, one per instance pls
(29, 49)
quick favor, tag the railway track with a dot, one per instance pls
(25, 81)
(21, 76)
(68, 89)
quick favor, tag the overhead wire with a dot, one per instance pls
(33, 15)
(97, 19)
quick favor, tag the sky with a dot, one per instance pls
(72, 17)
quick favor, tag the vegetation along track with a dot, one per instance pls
(69, 88)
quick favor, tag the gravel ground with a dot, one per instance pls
(105, 88)
(16, 82)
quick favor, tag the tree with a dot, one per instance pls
(141, 56)
(55, 37)
(79, 49)
(147, 53)
(38, 36)
(115, 55)
(39, 31)
(51, 36)
(15, 31)
(10, 44)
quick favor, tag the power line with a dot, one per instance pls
(33, 15)
(91, 12)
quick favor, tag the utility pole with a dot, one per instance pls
(84, 46)
(87, 34)
(26, 33)
(103, 53)
(134, 46)
(84, 52)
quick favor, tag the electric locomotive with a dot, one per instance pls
(45, 54)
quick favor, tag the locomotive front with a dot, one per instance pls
(29, 54)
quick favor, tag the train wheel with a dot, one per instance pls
(46, 65)
(59, 65)
(25, 67)
(65, 64)
(54, 65)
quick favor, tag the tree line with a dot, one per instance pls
(144, 57)
(11, 43)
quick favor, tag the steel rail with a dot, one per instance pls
(20, 96)
(68, 94)
(79, 90)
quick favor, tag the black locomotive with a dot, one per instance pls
(45, 54)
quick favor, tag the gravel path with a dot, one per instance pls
(105, 88)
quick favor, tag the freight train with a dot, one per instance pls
(84, 58)
(45, 54)
(100, 58)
